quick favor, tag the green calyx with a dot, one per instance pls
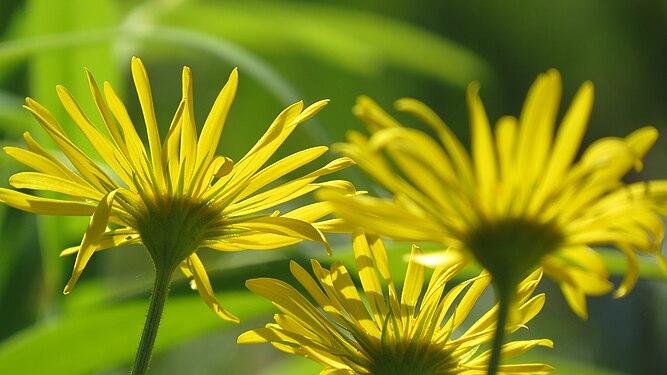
(512, 248)
(173, 230)
(415, 359)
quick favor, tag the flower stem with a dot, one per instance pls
(505, 299)
(158, 298)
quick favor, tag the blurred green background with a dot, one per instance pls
(286, 51)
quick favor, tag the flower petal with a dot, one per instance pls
(143, 87)
(92, 238)
(44, 206)
(286, 226)
(212, 130)
(203, 286)
(483, 150)
(104, 147)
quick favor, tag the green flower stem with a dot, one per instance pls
(158, 298)
(505, 300)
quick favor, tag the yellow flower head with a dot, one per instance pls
(413, 332)
(519, 200)
(178, 195)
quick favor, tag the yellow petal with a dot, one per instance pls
(259, 153)
(385, 217)
(203, 286)
(576, 299)
(110, 239)
(483, 150)
(291, 302)
(45, 182)
(143, 87)
(88, 168)
(92, 238)
(310, 111)
(451, 143)
(104, 147)
(414, 281)
(373, 116)
(135, 148)
(368, 275)
(42, 164)
(285, 192)
(349, 297)
(44, 206)
(641, 140)
(212, 130)
(188, 127)
(304, 278)
(286, 226)
(281, 168)
(631, 274)
(569, 137)
(513, 349)
(537, 122)
(170, 150)
(105, 114)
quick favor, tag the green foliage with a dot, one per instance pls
(89, 341)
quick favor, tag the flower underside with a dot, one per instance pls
(509, 249)
(173, 195)
(414, 358)
(519, 198)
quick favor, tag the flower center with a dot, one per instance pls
(512, 248)
(174, 229)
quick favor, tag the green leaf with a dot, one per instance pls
(13, 118)
(357, 41)
(88, 342)
(65, 66)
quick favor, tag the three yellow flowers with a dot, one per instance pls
(516, 203)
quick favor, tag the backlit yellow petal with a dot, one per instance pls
(106, 149)
(44, 206)
(281, 168)
(285, 226)
(537, 119)
(140, 77)
(457, 151)
(92, 238)
(188, 127)
(368, 275)
(135, 148)
(88, 169)
(205, 290)
(483, 150)
(210, 134)
(45, 182)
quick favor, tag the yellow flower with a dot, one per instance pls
(178, 195)
(412, 333)
(519, 200)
